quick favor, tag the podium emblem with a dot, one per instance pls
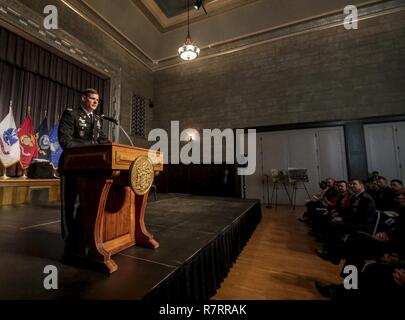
(141, 175)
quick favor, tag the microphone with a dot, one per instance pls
(109, 119)
(115, 121)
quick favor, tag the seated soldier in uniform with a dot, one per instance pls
(334, 213)
(396, 185)
(384, 197)
(359, 216)
(327, 200)
(386, 277)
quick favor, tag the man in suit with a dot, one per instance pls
(77, 127)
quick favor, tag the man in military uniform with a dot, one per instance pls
(77, 127)
(359, 216)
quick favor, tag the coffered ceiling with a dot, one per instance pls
(167, 15)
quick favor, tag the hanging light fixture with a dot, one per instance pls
(188, 51)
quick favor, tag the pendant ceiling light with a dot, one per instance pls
(188, 51)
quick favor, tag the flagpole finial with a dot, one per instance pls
(29, 110)
(46, 112)
(11, 104)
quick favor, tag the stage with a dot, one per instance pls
(200, 238)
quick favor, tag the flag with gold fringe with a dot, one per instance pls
(9, 146)
(28, 142)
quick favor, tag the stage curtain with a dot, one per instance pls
(200, 277)
(33, 76)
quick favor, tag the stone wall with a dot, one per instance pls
(323, 75)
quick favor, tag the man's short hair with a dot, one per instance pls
(90, 91)
(358, 180)
(342, 181)
(382, 178)
(397, 181)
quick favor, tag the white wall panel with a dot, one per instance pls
(320, 151)
(381, 149)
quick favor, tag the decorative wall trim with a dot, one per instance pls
(87, 13)
(16, 14)
(270, 35)
(335, 123)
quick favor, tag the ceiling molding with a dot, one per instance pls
(212, 50)
(90, 15)
(262, 37)
(244, 42)
(29, 24)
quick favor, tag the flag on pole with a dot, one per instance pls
(56, 149)
(9, 146)
(44, 149)
(28, 142)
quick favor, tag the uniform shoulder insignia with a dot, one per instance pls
(69, 109)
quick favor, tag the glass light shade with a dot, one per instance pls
(188, 51)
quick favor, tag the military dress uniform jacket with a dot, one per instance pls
(362, 212)
(76, 128)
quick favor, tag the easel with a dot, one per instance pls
(268, 192)
(276, 186)
(275, 192)
(295, 187)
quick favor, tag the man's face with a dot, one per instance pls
(395, 185)
(90, 102)
(342, 188)
(355, 186)
(401, 198)
(373, 185)
(381, 183)
(329, 183)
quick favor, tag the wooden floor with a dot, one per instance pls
(279, 262)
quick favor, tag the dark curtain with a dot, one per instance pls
(201, 275)
(32, 76)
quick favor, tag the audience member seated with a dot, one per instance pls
(362, 246)
(335, 212)
(384, 196)
(371, 186)
(359, 216)
(396, 185)
(385, 278)
(326, 200)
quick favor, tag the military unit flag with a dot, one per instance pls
(43, 140)
(9, 146)
(28, 142)
(56, 149)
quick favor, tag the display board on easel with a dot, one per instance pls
(279, 179)
(298, 177)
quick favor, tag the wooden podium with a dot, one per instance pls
(112, 214)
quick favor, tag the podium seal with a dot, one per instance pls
(141, 175)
